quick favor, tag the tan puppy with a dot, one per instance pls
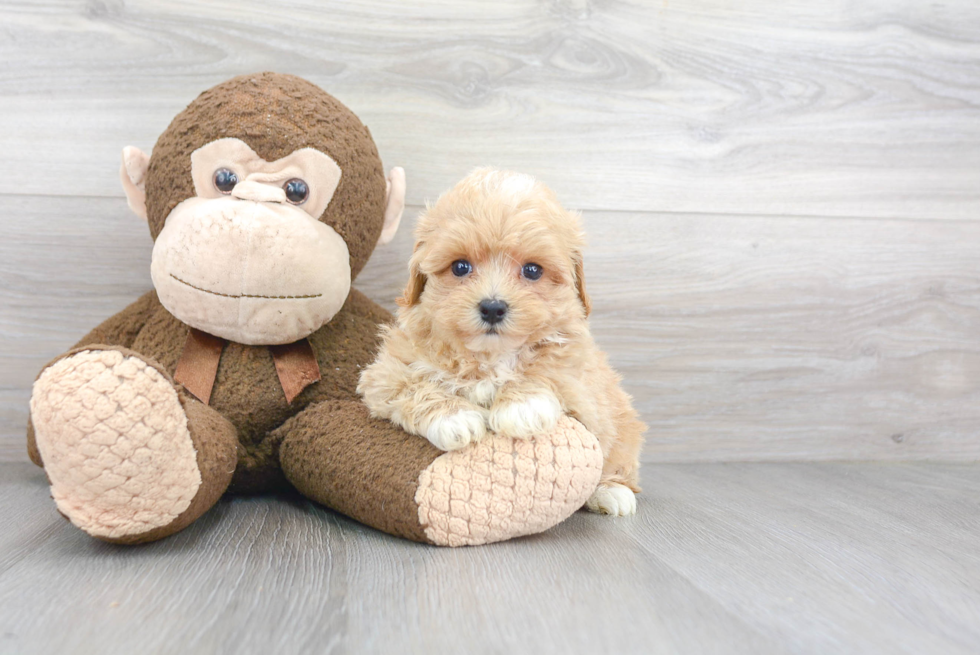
(492, 332)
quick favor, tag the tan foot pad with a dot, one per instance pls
(503, 488)
(114, 440)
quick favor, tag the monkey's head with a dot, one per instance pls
(265, 198)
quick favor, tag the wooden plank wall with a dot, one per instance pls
(782, 198)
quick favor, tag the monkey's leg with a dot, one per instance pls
(130, 457)
(336, 454)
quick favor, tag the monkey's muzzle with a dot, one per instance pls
(251, 272)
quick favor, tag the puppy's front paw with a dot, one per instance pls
(455, 431)
(612, 498)
(534, 415)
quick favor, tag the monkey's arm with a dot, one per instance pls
(118, 330)
(333, 452)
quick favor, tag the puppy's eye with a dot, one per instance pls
(532, 271)
(225, 180)
(462, 268)
(296, 191)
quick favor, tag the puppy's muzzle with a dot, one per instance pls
(492, 310)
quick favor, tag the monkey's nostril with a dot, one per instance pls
(492, 311)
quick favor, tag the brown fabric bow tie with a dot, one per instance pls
(197, 367)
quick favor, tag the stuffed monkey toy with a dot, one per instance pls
(237, 373)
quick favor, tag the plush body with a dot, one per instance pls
(246, 390)
(492, 334)
(242, 375)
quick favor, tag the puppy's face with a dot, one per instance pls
(497, 264)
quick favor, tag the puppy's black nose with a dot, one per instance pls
(492, 310)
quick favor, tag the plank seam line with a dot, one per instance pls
(594, 210)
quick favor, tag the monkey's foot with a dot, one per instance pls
(117, 446)
(503, 488)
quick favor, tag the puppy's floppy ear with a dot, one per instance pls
(416, 280)
(579, 271)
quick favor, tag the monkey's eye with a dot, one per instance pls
(225, 180)
(462, 268)
(296, 191)
(532, 271)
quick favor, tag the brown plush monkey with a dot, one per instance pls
(265, 198)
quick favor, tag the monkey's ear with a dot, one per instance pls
(394, 205)
(132, 173)
(580, 282)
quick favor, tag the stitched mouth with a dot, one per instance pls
(243, 295)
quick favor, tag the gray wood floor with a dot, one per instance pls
(721, 558)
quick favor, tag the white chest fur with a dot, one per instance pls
(482, 388)
(480, 384)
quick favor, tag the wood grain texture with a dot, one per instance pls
(741, 338)
(778, 328)
(782, 200)
(838, 108)
(747, 558)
